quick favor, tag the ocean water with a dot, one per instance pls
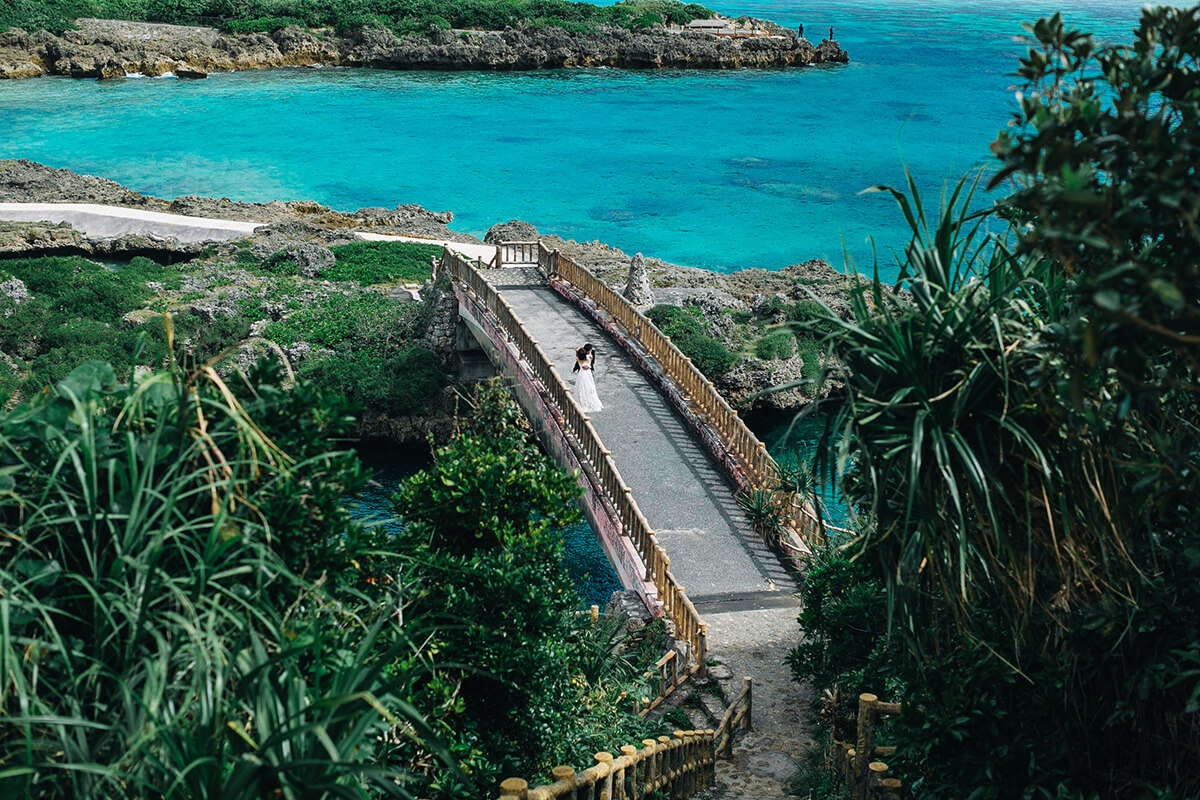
(720, 170)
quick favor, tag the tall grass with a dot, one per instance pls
(154, 641)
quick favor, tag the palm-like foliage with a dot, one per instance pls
(940, 429)
(153, 640)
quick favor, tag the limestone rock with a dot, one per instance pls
(512, 231)
(12, 294)
(637, 287)
(310, 259)
(110, 48)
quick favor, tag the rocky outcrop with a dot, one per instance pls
(114, 49)
(512, 231)
(637, 286)
(23, 181)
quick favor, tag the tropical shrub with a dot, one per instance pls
(689, 334)
(542, 685)
(403, 384)
(383, 262)
(775, 345)
(1021, 427)
(157, 635)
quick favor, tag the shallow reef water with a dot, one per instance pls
(720, 170)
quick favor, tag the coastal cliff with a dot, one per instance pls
(114, 49)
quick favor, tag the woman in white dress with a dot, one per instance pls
(585, 381)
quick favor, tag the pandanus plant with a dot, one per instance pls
(156, 639)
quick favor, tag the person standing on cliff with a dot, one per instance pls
(831, 33)
(801, 30)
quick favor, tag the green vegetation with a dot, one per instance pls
(542, 685)
(688, 333)
(57, 16)
(190, 612)
(775, 345)
(1022, 435)
(74, 314)
(150, 635)
(383, 262)
(369, 345)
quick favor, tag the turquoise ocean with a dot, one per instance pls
(720, 170)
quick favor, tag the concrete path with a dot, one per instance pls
(105, 222)
(475, 252)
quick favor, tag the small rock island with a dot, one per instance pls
(688, 36)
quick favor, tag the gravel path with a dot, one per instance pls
(754, 643)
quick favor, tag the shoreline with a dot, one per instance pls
(740, 308)
(107, 49)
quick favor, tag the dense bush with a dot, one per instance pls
(407, 16)
(688, 332)
(539, 685)
(331, 321)
(401, 384)
(775, 345)
(383, 262)
(1021, 426)
(164, 632)
(74, 313)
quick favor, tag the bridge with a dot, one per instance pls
(661, 464)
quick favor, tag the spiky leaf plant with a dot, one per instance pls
(156, 639)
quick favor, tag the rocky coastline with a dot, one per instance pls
(116, 49)
(738, 308)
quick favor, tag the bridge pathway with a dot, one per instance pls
(736, 583)
(720, 561)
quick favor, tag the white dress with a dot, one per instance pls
(585, 387)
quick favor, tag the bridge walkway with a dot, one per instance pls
(715, 554)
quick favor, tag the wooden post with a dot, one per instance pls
(516, 788)
(865, 744)
(630, 786)
(748, 724)
(650, 769)
(876, 775)
(891, 789)
(604, 761)
(559, 774)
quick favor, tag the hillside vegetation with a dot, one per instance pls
(57, 16)
(337, 322)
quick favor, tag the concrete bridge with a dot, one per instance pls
(664, 460)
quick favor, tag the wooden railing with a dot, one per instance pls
(706, 401)
(517, 253)
(676, 766)
(867, 778)
(688, 627)
(738, 715)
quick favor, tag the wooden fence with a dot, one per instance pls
(866, 778)
(688, 627)
(676, 766)
(758, 465)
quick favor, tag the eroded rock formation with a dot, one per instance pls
(114, 48)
